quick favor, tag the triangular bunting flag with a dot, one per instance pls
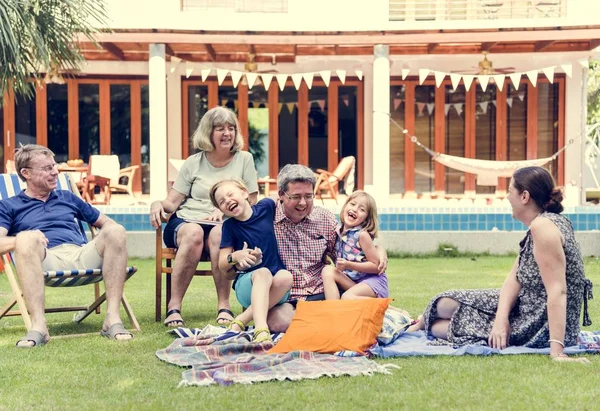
(280, 106)
(455, 79)
(521, 95)
(204, 73)
(484, 106)
(290, 107)
(439, 77)
(549, 72)
(397, 102)
(266, 79)
(251, 79)
(308, 79)
(224, 102)
(359, 74)
(325, 75)
(499, 80)
(447, 108)
(405, 73)
(420, 108)
(345, 99)
(221, 74)
(516, 79)
(321, 104)
(568, 69)
(458, 107)
(423, 73)
(509, 101)
(430, 108)
(484, 79)
(235, 77)
(493, 102)
(341, 75)
(297, 79)
(281, 79)
(188, 72)
(585, 63)
(532, 75)
(468, 80)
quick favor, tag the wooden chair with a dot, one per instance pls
(11, 185)
(164, 265)
(128, 174)
(330, 181)
(102, 170)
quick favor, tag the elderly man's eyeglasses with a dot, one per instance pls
(45, 169)
(297, 197)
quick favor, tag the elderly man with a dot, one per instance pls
(38, 225)
(305, 238)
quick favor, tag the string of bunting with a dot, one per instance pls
(252, 79)
(499, 79)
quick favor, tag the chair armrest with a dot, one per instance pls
(127, 170)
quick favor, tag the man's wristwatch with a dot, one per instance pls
(230, 260)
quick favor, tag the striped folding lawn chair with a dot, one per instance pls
(11, 185)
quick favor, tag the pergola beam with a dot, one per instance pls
(114, 50)
(431, 47)
(211, 52)
(543, 45)
(487, 46)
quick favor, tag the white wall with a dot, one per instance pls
(317, 15)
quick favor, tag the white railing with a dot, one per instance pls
(238, 6)
(443, 10)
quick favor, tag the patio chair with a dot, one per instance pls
(11, 185)
(103, 170)
(127, 174)
(164, 265)
(330, 181)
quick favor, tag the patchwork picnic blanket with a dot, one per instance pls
(228, 358)
(415, 343)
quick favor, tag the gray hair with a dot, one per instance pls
(295, 173)
(24, 155)
(217, 116)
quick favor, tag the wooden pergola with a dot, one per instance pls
(285, 47)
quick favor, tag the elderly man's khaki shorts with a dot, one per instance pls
(71, 257)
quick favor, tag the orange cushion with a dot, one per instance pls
(334, 325)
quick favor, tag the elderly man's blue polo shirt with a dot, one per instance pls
(55, 217)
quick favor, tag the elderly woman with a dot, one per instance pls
(195, 225)
(540, 302)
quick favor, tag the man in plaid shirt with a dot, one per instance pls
(305, 238)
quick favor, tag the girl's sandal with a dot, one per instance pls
(237, 322)
(262, 335)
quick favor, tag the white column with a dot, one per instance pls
(575, 118)
(381, 123)
(368, 126)
(174, 141)
(158, 121)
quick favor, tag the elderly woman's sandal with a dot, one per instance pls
(262, 335)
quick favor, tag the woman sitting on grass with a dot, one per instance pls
(540, 302)
(261, 280)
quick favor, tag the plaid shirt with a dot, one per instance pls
(304, 246)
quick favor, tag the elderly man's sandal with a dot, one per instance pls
(115, 330)
(36, 337)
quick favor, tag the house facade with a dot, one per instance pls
(313, 82)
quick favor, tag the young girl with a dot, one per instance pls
(355, 270)
(249, 255)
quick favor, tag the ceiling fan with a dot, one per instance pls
(486, 67)
(252, 67)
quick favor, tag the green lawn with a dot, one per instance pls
(92, 373)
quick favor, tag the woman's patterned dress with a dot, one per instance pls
(472, 322)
